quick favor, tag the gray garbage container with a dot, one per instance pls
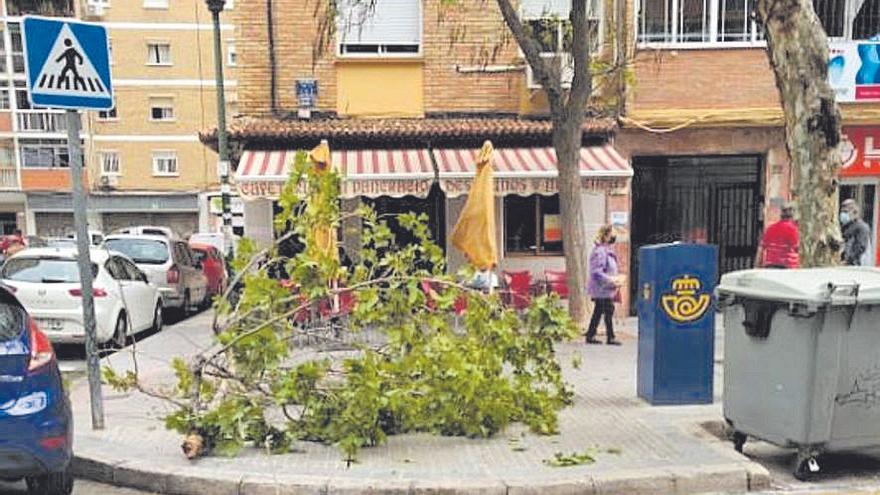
(802, 359)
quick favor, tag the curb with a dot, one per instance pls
(731, 478)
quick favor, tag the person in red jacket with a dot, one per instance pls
(779, 245)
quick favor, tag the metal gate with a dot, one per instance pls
(714, 199)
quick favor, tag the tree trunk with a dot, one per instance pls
(567, 136)
(798, 51)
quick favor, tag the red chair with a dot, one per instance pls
(556, 283)
(518, 289)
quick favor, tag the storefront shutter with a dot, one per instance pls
(389, 22)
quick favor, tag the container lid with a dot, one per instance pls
(818, 285)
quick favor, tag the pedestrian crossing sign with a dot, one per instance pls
(67, 64)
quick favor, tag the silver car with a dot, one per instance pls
(169, 265)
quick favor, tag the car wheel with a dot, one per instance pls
(158, 322)
(60, 483)
(117, 341)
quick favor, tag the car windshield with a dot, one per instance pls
(43, 270)
(199, 255)
(11, 321)
(146, 251)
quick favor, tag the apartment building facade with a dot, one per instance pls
(144, 163)
(703, 126)
(406, 94)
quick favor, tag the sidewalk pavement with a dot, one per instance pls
(652, 449)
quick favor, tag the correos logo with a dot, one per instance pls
(686, 302)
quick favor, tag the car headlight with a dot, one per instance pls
(29, 404)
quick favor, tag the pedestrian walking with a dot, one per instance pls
(856, 235)
(779, 245)
(604, 285)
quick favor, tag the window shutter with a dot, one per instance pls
(533, 9)
(390, 22)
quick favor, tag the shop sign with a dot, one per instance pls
(349, 189)
(395, 188)
(853, 71)
(527, 186)
(860, 151)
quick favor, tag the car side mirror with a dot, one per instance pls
(144, 278)
(198, 265)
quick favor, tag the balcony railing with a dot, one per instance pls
(41, 121)
(55, 8)
(8, 179)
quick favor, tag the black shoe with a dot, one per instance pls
(613, 342)
(593, 341)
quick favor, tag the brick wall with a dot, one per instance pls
(295, 31)
(703, 79)
(456, 40)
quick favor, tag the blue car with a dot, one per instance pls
(36, 429)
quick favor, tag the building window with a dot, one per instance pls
(549, 25)
(155, 4)
(3, 67)
(165, 163)
(5, 102)
(44, 153)
(849, 19)
(158, 54)
(108, 114)
(109, 162)
(162, 109)
(17, 48)
(390, 28)
(231, 54)
(532, 225)
(697, 21)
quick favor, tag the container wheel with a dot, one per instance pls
(806, 468)
(739, 439)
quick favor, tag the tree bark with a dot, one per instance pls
(568, 112)
(798, 51)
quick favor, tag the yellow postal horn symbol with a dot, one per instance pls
(685, 303)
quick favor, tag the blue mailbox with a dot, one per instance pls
(676, 323)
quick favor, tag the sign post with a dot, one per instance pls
(68, 66)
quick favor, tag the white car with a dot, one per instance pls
(46, 281)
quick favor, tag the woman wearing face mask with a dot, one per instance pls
(604, 284)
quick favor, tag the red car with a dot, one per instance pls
(213, 266)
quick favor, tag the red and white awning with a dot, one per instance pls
(366, 173)
(527, 171)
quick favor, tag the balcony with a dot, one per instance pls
(53, 8)
(41, 121)
(8, 179)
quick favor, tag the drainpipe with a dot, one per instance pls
(273, 64)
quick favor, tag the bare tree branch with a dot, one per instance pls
(550, 80)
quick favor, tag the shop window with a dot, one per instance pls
(532, 225)
(849, 19)
(390, 28)
(697, 21)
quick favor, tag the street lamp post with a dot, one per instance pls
(216, 6)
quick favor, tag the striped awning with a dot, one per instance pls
(366, 173)
(595, 161)
(526, 171)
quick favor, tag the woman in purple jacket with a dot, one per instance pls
(604, 284)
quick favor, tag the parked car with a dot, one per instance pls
(36, 427)
(46, 281)
(213, 266)
(169, 265)
(214, 239)
(96, 237)
(146, 230)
